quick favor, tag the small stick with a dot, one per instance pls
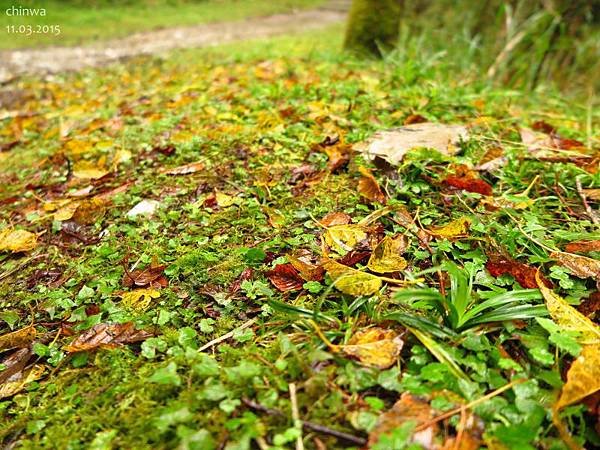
(296, 416)
(227, 335)
(308, 425)
(470, 405)
(588, 208)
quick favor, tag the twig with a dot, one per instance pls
(586, 205)
(470, 405)
(308, 425)
(296, 416)
(227, 335)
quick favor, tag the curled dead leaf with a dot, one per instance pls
(580, 266)
(186, 169)
(285, 277)
(374, 347)
(104, 335)
(19, 381)
(524, 274)
(369, 188)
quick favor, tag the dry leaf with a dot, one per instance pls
(568, 317)
(107, 336)
(580, 266)
(386, 256)
(374, 347)
(468, 180)
(86, 170)
(143, 208)
(583, 246)
(224, 200)
(285, 277)
(343, 238)
(185, 169)
(139, 299)
(592, 194)
(16, 241)
(17, 382)
(307, 270)
(524, 274)
(454, 229)
(152, 276)
(18, 339)
(583, 378)
(408, 408)
(335, 218)
(369, 188)
(393, 145)
(351, 281)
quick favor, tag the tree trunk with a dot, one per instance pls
(373, 27)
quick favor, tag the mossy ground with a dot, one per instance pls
(252, 113)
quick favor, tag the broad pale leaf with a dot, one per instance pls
(343, 238)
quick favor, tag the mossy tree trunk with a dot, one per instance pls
(373, 26)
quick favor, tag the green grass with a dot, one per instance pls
(252, 113)
(87, 22)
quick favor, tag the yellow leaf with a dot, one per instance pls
(343, 238)
(580, 266)
(374, 347)
(456, 228)
(140, 298)
(352, 281)
(18, 339)
(17, 240)
(583, 378)
(89, 211)
(386, 256)
(88, 171)
(17, 382)
(568, 317)
(224, 200)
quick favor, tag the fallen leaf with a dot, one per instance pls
(583, 377)
(335, 218)
(224, 200)
(143, 208)
(18, 339)
(456, 228)
(568, 317)
(592, 194)
(307, 270)
(408, 409)
(590, 305)
(14, 363)
(86, 170)
(414, 118)
(16, 241)
(542, 126)
(186, 169)
(337, 152)
(153, 276)
(343, 238)
(354, 257)
(285, 277)
(524, 274)
(369, 188)
(386, 255)
(493, 160)
(88, 211)
(468, 180)
(139, 299)
(583, 246)
(393, 145)
(374, 347)
(351, 281)
(580, 266)
(106, 335)
(17, 382)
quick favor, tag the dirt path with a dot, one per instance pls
(14, 63)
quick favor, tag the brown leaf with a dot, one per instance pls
(306, 268)
(543, 127)
(352, 258)
(524, 274)
(369, 188)
(583, 246)
(335, 218)
(492, 160)
(15, 362)
(414, 118)
(408, 408)
(104, 335)
(151, 276)
(285, 277)
(18, 339)
(18, 381)
(457, 228)
(468, 180)
(246, 274)
(580, 266)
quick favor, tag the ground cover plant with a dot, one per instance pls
(196, 254)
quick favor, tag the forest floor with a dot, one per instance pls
(194, 254)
